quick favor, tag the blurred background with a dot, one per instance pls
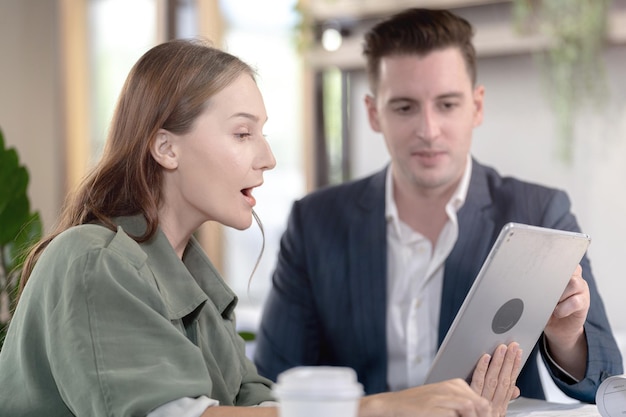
(555, 110)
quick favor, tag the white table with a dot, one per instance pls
(527, 407)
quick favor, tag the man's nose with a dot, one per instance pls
(428, 125)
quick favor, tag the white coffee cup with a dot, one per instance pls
(318, 391)
(611, 396)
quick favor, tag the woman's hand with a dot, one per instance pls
(495, 377)
(448, 398)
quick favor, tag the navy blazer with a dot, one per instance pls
(327, 305)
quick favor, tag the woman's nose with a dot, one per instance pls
(267, 160)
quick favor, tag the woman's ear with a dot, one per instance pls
(163, 149)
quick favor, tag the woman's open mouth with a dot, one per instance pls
(247, 193)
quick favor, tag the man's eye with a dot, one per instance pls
(242, 136)
(448, 105)
(403, 109)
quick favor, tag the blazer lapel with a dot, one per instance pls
(368, 271)
(476, 228)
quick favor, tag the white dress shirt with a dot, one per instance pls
(414, 284)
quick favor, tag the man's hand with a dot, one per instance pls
(565, 330)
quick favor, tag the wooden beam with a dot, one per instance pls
(75, 80)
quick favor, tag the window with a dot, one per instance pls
(119, 32)
(263, 37)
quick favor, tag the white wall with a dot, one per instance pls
(518, 137)
(30, 98)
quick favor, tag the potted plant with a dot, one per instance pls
(19, 230)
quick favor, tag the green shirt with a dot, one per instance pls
(110, 327)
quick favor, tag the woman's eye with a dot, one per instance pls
(242, 136)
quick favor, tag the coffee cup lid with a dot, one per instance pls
(318, 382)
(611, 396)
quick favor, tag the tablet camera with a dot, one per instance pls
(507, 316)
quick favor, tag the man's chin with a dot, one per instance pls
(436, 181)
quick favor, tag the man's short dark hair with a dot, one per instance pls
(417, 31)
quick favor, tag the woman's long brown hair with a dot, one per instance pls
(167, 88)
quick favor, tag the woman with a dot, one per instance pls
(122, 313)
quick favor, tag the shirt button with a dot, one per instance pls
(418, 303)
(417, 360)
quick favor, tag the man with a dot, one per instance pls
(371, 273)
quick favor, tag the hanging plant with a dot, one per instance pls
(574, 66)
(303, 29)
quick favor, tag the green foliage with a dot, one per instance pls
(574, 66)
(302, 30)
(19, 230)
(247, 336)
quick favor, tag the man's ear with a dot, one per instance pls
(163, 149)
(479, 102)
(372, 112)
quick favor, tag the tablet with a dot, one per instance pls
(511, 299)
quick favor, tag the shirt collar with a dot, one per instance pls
(184, 284)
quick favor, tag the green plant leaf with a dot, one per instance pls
(14, 204)
(19, 229)
(12, 218)
(247, 336)
(15, 252)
